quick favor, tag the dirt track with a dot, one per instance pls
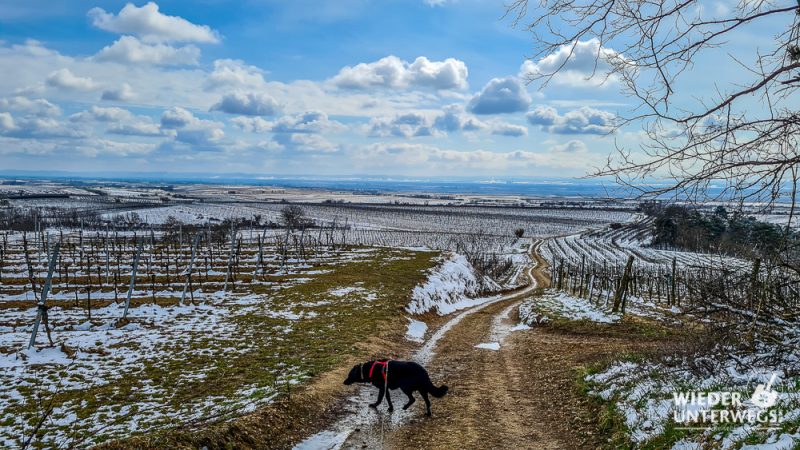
(520, 396)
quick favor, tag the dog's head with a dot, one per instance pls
(354, 376)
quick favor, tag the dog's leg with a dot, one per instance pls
(380, 398)
(389, 399)
(411, 398)
(427, 403)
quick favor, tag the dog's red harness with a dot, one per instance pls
(384, 370)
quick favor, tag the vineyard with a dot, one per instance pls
(147, 331)
(159, 316)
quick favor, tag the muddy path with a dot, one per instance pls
(521, 395)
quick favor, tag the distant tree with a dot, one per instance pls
(293, 216)
(519, 232)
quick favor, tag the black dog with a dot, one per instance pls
(406, 375)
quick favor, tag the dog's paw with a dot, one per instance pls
(373, 405)
(428, 413)
(391, 409)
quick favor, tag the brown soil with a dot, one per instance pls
(522, 396)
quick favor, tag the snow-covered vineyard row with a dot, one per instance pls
(693, 291)
(613, 247)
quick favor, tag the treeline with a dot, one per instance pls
(719, 231)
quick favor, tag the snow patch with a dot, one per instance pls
(449, 288)
(416, 330)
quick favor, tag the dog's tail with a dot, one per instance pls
(438, 392)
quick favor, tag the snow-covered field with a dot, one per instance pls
(220, 355)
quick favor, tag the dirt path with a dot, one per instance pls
(520, 396)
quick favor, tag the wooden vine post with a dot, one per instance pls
(132, 284)
(41, 307)
(623, 286)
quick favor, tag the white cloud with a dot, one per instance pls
(189, 129)
(248, 104)
(6, 122)
(583, 120)
(501, 96)
(392, 72)
(39, 106)
(582, 64)
(123, 93)
(199, 135)
(137, 128)
(252, 124)
(307, 122)
(151, 25)
(508, 129)
(573, 147)
(235, 73)
(454, 119)
(305, 143)
(100, 114)
(406, 125)
(65, 79)
(130, 50)
(393, 158)
(31, 127)
(177, 117)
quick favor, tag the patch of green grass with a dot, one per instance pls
(610, 421)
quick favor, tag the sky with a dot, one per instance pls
(399, 88)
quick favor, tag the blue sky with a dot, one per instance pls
(302, 87)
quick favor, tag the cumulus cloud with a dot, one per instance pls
(583, 120)
(65, 79)
(398, 157)
(31, 127)
(137, 128)
(508, 129)
(6, 122)
(122, 122)
(247, 104)
(189, 129)
(454, 119)
(176, 117)
(582, 64)
(307, 122)
(100, 114)
(199, 135)
(39, 106)
(573, 147)
(253, 124)
(403, 125)
(130, 50)
(393, 72)
(151, 25)
(501, 96)
(235, 73)
(123, 93)
(304, 143)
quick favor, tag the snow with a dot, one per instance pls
(416, 330)
(643, 393)
(326, 440)
(565, 306)
(450, 287)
